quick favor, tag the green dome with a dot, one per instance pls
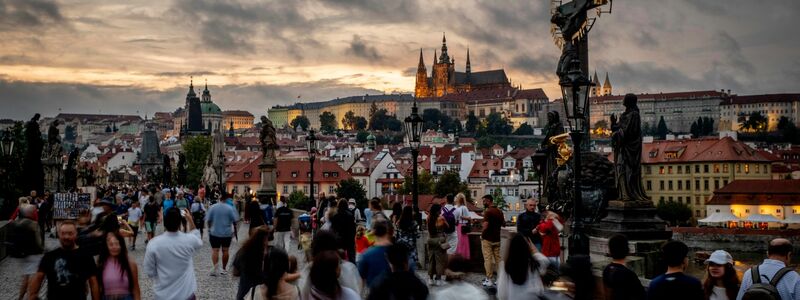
(370, 137)
(210, 108)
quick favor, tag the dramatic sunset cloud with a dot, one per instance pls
(138, 56)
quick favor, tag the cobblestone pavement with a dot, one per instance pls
(208, 287)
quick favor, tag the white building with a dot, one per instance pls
(737, 109)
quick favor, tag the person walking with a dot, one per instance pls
(620, 282)
(449, 213)
(374, 212)
(520, 276)
(221, 219)
(181, 202)
(152, 216)
(457, 288)
(674, 284)
(198, 210)
(436, 247)
(276, 285)
(407, 235)
(721, 282)
(551, 246)
(373, 262)
(362, 242)
(401, 283)
(283, 226)
(117, 272)
(24, 246)
(169, 258)
(775, 271)
(463, 219)
(528, 220)
(253, 215)
(324, 268)
(68, 269)
(493, 220)
(344, 225)
(249, 263)
(326, 241)
(167, 203)
(134, 220)
(355, 211)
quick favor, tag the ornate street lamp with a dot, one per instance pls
(7, 143)
(311, 143)
(413, 133)
(575, 90)
(221, 172)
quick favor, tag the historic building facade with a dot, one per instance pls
(200, 114)
(239, 119)
(445, 79)
(736, 109)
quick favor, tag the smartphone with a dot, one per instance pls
(183, 213)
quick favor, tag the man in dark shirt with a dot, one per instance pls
(253, 214)
(493, 220)
(344, 225)
(373, 265)
(674, 284)
(528, 220)
(621, 283)
(400, 283)
(283, 226)
(152, 216)
(67, 269)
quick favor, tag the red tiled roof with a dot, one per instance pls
(700, 150)
(482, 167)
(758, 192)
(736, 99)
(285, 169)
(248, 173)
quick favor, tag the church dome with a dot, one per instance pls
(210, 108)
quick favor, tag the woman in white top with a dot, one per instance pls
(463, 222)
(519, 276)
(325, 267)
(721, 281)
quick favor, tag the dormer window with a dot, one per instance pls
(294, 174)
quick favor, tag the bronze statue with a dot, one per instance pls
(269, 142)
(627, 143)
(553, 128)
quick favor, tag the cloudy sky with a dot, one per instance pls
(134, 56)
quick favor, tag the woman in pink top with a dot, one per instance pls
(118, 271)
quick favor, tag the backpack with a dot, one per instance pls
(450, 218)
(764, 291)
(21, 241)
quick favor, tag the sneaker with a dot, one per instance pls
(439, 282)
(223, 272)
(431, 282)
(213, 271)
(487, 282)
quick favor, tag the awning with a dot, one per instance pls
(719, 217)
(760, 218)
(791, 219)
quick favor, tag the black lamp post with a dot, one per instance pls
(575, 90)
(7, 143)
(413, 132)
(311, 143)
(221, 172)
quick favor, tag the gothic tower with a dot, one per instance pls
(606, 86)
(595, 87)
(442, 73)
(422, 89)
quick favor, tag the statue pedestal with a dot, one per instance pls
(638, 222)
(52, 174)
(267, 191)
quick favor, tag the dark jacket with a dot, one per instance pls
(526, 222)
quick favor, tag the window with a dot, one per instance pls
(747, 211)
(778, 211)
(697, 184)
(697, 200)
(669, 170)
(294, 188)
(335, 174)
(661, 185)
(647, 170)
(747, 168)
(680, 199)
(716, 185)
(670, 199)
(661, 170)
(687, 185)
(725, 168)
(670, 185)
(680, 185)
(305, 189)
(330, 189)
(758, 169)
(285, 189)
(724, 182)
(738, 168)
(294, 174)
(705, 184)
(680, 170)
(697, 168)
(326, 174)
(716, 168)
(718, 210)
(696, 212)
(649, 185)
(688, 170)
(705, 168)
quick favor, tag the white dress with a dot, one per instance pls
(533, 287)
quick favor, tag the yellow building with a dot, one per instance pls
(690, 170)
(239, 118)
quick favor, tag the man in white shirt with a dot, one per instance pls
(778, 256)
(168, 259)
(134, 220)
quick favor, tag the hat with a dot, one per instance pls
(351, 201)
(720, 257)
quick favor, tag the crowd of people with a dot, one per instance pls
(370, 253)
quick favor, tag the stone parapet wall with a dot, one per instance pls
(732, 239)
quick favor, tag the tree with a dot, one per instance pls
(450, 183)
(755, 122)
(377, 119)
(695, 129)
(327, 122)
(197, 151)
(707, 127)
(300, 121)
(426, 184)
(524, 129)
(361, 136)
(647, 129)
(498, 199)
(70, 134)
(661, 129)
(373, 109)
(497, 125)
(393, 124)
(352, 189)
(360, 123)
(601, 124)
(673, 212)
(297, 200)
(182, 174)
(472, 124)
(788, 130)
(349, 120)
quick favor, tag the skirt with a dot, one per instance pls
(463, 243)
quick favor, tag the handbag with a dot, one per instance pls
(466, 228)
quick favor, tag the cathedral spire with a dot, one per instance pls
(469, 67)
(206, 94)
(444, 58)
(421, 64)
(191, 87)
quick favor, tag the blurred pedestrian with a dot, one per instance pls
(68, 269)
(528, 220)
(152, 217)
(520, 276)
(283, 226)
(401, 283)
(169, 258)
(118, 275)
(221, 219)
(407, 235)
(457, 288)
(24, 246)
(449, 214)
(276, 274)
(249, 263)
(325, 267)
(326, 241)
(436, 247)
(549, 230)
(344, 225)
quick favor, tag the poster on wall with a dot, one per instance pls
(68, 206)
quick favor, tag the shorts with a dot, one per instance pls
(216, 241)
(149, 227)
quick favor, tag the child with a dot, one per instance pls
(306, 228)
(362, 243)
(437, 252)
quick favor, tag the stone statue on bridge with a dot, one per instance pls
(626, 140)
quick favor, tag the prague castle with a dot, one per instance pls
(445, 80)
